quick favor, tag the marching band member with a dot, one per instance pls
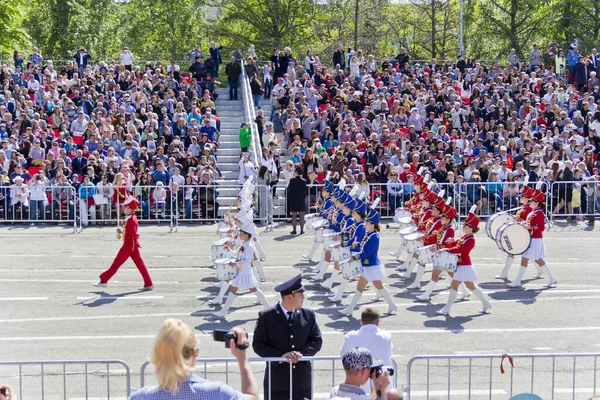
(520, 216)
(465, 272)
(427, 198)
(327, 204)
(430, 228)
(336, 218)
(245, 278)
(131, 247)
(413, 206)
(442, 236)
(537, 250)
(372, 270)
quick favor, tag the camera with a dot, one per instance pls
(380, 369)
(220, 335)
(3, 391)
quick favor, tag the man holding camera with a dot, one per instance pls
(288, 330)
(359, 366)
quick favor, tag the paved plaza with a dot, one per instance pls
(49, 310)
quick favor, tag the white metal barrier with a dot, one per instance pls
(250, 115)
(320, 381)
(574, 199)
(67, 379)
(560, 375)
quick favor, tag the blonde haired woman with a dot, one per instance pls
(175, 352)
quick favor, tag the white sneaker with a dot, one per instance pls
(414, 285)
(514, 284)
(215, 301)
(99, 284)
(219, 314)
(501, 276)
(405, 275)
(423, 297)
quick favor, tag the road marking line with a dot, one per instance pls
(462, 393)
(23, 298)
(542, 348)
(121, 298)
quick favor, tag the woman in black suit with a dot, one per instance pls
(296, 194)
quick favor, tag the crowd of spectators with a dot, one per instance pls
(480, 128)
(89, 132)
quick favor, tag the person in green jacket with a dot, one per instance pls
(245, 137)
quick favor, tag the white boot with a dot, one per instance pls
(507, 264)
(330, 281)
(486, 304)
(340, 290)
(323, 265)
(311, 253)
(517, 281)
(428, 290)
(540, 271)
(261, 253)
(406, 263)
(377, 295)
(355, 299)
(396, 253)
(219, 298)
(261, 297)
(551, 278)
(464, 292)
(417, 282)
(411, 266)
(261, 271)
(448, 306)
(223, 313)
(388, 298)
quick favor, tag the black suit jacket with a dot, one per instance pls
(296, 194)
(79, 167)
(273, 337)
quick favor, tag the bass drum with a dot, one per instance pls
(495, 222)
(513, 238)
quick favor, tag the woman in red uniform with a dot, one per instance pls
(131, 247)
(420, 218)
(537, 250)
(465, 272)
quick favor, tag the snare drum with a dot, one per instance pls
(224, 271)
(414, 241)
(445, 261)
(405, 222)
(320, 234)
(329, 239)
(426, 254)
(351, 268)
(311, 219)
(320, 224)
(513, 238)
(219, 251)
(495, 222)
(401, 213)
(340, 253)
(224, 232)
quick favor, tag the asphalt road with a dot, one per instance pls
(49, 311)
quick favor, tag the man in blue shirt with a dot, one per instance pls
(211, 131)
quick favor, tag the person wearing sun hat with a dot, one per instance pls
(535, 222)
(465, 272)
(372, 270)
(131, 247)
(327, 205)
(245, 278)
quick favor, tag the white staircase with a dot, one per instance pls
(231, 114)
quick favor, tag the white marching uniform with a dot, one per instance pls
(245, 278)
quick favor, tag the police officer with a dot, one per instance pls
(290, 331)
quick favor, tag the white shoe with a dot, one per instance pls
(405, 275)
(147, 288)
(423, 297)
(306, 257)
(402, 267)
(539, 274)
(514, 284)
(463, 296)
(335, 298)
(442, 312)
(99, 284)
(328, 284)
(215, 301)
(347, 311)
(486, 307)
(391, 309)
(377, 296)
(414, 285)
(263, 258)
(551, 282)
(317, 277)
(219, 314)
(501, 276)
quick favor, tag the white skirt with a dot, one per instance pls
(536, 250)
(245, 278)
(374, 273)
(465, 273)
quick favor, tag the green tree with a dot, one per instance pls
(13, 34)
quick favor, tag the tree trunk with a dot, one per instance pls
(433, 29)
(356, 24)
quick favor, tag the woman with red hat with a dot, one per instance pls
(520, 216)
(131, 247)
(465, 272)
(425, 213)
(535, 222)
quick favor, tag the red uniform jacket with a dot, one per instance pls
(424, 217)
(432, 226)
(536, 222)
(522, 214)
(462, 246)
(445, 234)
(131, 236)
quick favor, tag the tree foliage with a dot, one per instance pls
(13, 34)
